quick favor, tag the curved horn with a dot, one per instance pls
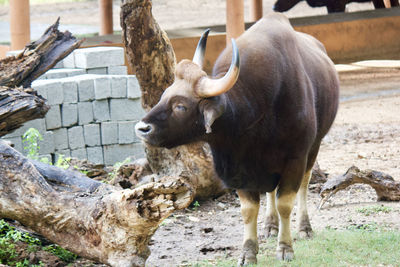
(212, 87)
(198, 57)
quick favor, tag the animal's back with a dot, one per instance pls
(284, 102)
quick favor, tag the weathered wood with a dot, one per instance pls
(151, 56)
(96, 220)
(386, 188)
(18, 103)
(37, 57)
(17, 106)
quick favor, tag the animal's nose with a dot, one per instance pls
(143, 128)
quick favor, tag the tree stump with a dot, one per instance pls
(151, 56)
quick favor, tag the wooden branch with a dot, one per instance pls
(103, 223)
(386, 188)
(37, 57)
(18, 106)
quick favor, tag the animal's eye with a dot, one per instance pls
(180, 108)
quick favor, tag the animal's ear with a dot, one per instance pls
(212, 109)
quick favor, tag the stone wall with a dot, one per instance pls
(94, 107)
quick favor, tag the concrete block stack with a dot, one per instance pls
(92, 116)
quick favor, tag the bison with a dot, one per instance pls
(264, 116)
(331, 5)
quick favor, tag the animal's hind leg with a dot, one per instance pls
(250, 204)
(271, 222)
(303, 221)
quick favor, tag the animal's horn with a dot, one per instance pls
(198, 57)
(212, 87)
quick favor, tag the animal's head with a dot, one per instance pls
(188, 108)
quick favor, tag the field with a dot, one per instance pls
(352, 229)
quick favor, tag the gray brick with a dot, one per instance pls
(53, 117)
(41, 87)
(95, 154)
(102, 70)
(117, 70)
(96, 57)
(56, 74)
(85, 86)
(55, 93)
(70, 90)
(133, 87)
(75, 72)
(102, 87)
(116, 153)
(60, 138)
(126, 132)
(38, 124)
(126, 109)
(118, 86)
(85, 112)
(109, 133)
(92, 134)
(17, 143)
(69, 61)
(69, 114)
(101, 110)
(65, 152)
(79, 153)
(75, 137)
(47, 144)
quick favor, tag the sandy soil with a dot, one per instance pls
(366, 134)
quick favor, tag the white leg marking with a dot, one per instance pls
(285, 205)
(303, 221)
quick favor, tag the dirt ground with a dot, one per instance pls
(366, 133)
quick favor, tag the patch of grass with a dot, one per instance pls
(9, 236)
(374, 210)
(332, 248)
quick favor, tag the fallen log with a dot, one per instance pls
(386, 188)
(92, 219)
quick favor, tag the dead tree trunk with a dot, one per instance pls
(89, 218)
(18, 103)
(152, 58)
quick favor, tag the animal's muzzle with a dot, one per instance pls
(143, 129)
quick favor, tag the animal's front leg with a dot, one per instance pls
(250, 204)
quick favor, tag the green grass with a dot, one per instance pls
(34, 2)
(374, 210)
(332, 248)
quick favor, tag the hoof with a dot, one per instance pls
(305, 234)
(271, 227)
(249, 253)
(284, 252)
(305, 230)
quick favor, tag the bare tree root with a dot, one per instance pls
(386, 188)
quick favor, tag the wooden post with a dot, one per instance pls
(19, 24)
(106, 17)
(256, 10)
(234, 19)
